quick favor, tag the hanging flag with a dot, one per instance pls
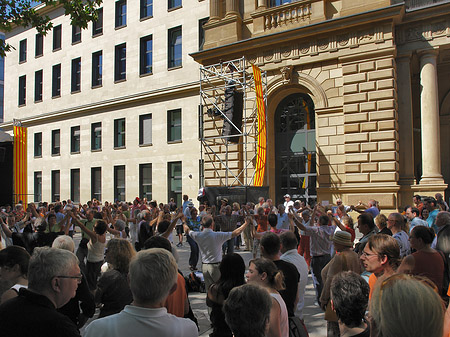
(262, 138)
(20, 164)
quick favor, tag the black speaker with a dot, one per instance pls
(233, 110)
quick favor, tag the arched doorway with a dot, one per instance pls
(295, 148)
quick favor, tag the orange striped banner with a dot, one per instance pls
(20, 164)
(262, 137)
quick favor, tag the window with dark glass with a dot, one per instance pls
(96, 136)
(23, 51)
(22, 89)
(146, 8)
(120, 64)
(38, 144)
(145, 181)
(119, 183)
(38, 86)
(97, 61)
(174, 4)
(97, 25)
(174, 125)
(119, 132)
(57, 31)
(76, 75)
(201, 33)
(175, 56)
(75, 185)
(75, 139)
(76, 34)
(38, 186)
(121, 13)
(39, 50)
(146, 58)
(56, 80)
(96, 183)
(175, 181)
(56, 141)
(145, 129)
(55, 185)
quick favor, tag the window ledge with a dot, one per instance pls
(75, 92)
(96, 150)
(145, 75)
(77, 42)
(174, 68)
(38, 56)
(119, 147)
(120, 27)
(58, 96)
(120, 81)
(174, 141)
(145, 145)
(174, 8)
(56, 154)
(146, 18)
(36, 157)
(22, 105)
(56, 49)
(96, 86)
(75, 152)
(24, 61)
(97, 35)
(38, 101)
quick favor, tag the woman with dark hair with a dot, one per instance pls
(349, 299)
(265, 273)
(113, 290)
(232, 270)
(425, 261)
(13, 270)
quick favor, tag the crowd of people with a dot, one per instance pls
(390, 277)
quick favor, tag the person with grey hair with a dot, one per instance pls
(247, 311)
(53, 277)
(153, 276)
(64, 242)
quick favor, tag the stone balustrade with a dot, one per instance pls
(286, 15)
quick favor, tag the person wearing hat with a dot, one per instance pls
(288, 202)
(187, 211)
(345, 259)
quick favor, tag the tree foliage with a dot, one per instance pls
(21, 13)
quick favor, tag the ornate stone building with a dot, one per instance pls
(375, 76)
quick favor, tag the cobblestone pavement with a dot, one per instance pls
(313, 315)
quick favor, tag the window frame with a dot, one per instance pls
(121, 14)
(76, 34)
(171, 125)
(23, 51)
(38, 85)
(75, 193)
(56, 80)
(97, 26)
(75, 139)
(56, 185)
(119, 134)
(38, 145)
(37, 188)
(171, 180)
(22, 90)
(142, 119)
(96, 191)
(143, 53)
(144, 5)
(119, 191)
(145, 188)
(172, 4)
(57, 38)
(39, 45)
(96, 135)
(56, 138)
(120, 62)
(172, 61)
(97, 69)
(75, 80)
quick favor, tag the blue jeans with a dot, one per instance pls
(228, 247)
(317, 264)
(193, 258)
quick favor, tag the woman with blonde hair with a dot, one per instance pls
(113, 290)
(381, 222)
(265, 273)
(403, 305)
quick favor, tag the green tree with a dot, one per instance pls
(21, 13)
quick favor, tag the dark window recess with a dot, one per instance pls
(75, 139)
(38, 86)
(56, 80)
(119, 132)
(97, 26)
(120, 66)
(56, 141)
(76, 75)
(175, 47)
(38, 144)
(121, 13)
(146, 8)
(39, 51)
(96, 136)
(57, 31)
(146, 55)
(22, 90)
(23, 50)
(76, 34)
(97, 61)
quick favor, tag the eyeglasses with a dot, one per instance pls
(366, 255)
(78, 277)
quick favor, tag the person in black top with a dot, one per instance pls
(270, 248)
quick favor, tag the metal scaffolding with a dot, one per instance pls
(228, 160)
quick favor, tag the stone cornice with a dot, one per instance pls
(394, 12)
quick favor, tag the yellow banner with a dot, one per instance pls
(20, 164)
(262, 137)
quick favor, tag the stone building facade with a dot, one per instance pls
(377, 73)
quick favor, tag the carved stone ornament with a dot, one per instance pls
(286, 74)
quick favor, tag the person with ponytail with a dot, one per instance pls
(265, 273)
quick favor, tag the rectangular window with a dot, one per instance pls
(38, 186)
(121, 13)
(145, 181)
(174, 4)
(146, 8)
(97, 26)
(22, 90)
(97, 63)
(56, 80)
(119, 183)
(75, 139)
(96, 183)
(201, 33)
(175, 182)
(23, 51)
(175, 51)
(57, 30)
(146, 58)
(120, 64)
(76, 34)
(56, 148)
(145, 129)
(119, 132)
(39, 50)
(174, 125)
(75, 185)
(38, 144)
(38, 86)
(96, 136)
(76, 75)
(55, 185)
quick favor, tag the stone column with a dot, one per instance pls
(214, 10)
(262, 4)
(405, 125)
(429, 116)
(232, 7)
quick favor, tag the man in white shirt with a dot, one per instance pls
(153, 276)
(287, 202)
(210, 245)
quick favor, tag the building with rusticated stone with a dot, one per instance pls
(358, 93)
